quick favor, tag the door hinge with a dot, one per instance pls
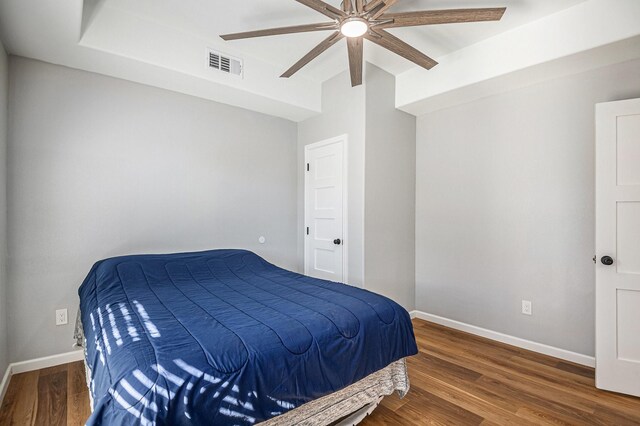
(307, 166)
(307, 230)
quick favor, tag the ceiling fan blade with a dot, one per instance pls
(324, 8)
(399, 47)
(359, 6)
(356, 50)
(369, 6)
(327, 43)
(433, 17)
(381, 9)
(347, 6)
(282, 30)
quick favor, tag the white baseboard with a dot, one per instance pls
(564, 354)
(4, 384)
(47, 361)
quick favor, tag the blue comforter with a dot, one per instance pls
(224, 337)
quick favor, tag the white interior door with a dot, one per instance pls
(324, 210)
(618, 246)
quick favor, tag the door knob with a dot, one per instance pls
(607, 260)
(337, 241)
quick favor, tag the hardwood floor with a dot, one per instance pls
(456, 379)
(52, 396)
(461, 379)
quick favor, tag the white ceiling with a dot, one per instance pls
(210, 19)
(164, 43)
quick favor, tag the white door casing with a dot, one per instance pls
(618, 236)
(325, 210)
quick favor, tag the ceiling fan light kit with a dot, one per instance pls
(354, 27)
(368, 20)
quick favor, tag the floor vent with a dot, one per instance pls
(225, 63)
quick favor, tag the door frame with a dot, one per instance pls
(345, 216)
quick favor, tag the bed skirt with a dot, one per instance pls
(335, 406)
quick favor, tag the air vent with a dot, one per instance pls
(225, 63)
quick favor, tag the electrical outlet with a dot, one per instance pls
(61, 317)
(526, 307)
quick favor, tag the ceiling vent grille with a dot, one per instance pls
(225, 63)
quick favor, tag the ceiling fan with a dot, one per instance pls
(368, 19)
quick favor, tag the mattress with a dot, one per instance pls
(224, 337)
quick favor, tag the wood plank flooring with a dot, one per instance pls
(461, 379)
(456, 379)
(56, 396)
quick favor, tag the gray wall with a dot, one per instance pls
(343, 112)
(505, 208)
(4, 86)
(390, 176)
(101, 167)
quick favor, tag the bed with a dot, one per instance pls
(225, 337)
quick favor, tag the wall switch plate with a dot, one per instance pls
(526, 307)
(61, 317)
